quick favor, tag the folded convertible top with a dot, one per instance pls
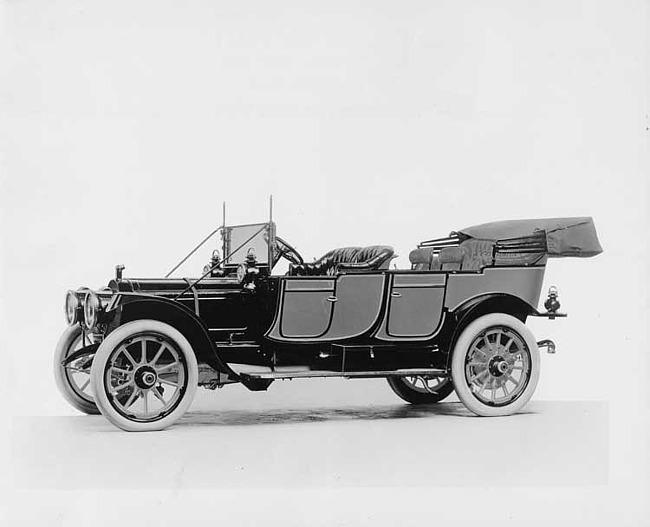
(563, 236)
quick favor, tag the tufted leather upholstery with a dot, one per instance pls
(360, 258)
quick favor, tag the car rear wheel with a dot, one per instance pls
(144, 376)
(495, 365)
(73, 379)
(421, 389)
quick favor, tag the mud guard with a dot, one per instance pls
(490, 303)
(86, 350)
(178, 316)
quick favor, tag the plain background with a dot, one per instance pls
(126, 124)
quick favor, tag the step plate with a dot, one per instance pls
(347, 374)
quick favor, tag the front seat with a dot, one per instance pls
(369, 258)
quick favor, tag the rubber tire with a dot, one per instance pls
(458, 364)
(61, 353)
(105, 350)
(413, 397)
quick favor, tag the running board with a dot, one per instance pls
(347, 374)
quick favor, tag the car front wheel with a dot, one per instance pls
(495, 365)
(421, 389)
(144, 376)
(73, 379)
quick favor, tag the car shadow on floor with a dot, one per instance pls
(311, 415)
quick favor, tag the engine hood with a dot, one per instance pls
(170, 286)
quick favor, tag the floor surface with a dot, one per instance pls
(277, 442)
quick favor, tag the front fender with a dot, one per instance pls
(137, 307)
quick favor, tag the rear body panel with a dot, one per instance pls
(522, 282)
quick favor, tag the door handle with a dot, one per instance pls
(396, 294)
(331, 299)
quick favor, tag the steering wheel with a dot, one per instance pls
(285, 250)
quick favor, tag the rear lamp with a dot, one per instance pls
(552, 304)
(92, 305)
(71, 308)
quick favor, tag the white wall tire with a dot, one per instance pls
(73, 380)
(144, 376)
(495, 365)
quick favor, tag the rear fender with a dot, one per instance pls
(177, 316)
(483, 305)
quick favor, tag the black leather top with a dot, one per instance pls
(361, 258)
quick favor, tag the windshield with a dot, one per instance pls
(239, 239)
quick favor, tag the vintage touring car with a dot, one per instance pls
(137, 350)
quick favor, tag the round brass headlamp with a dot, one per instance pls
(92, 305)
(71, 308)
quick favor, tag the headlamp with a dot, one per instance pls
(71, 308)
(92, 305)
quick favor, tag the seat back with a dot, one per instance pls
(451, 258)
(424, 259)
(421, 258)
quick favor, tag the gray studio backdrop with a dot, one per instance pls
(125, 125)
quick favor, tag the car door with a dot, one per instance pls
(306, 307)
(327, 309)
(414, 308)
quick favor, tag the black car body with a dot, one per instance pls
(347, 314)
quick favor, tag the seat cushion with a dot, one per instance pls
(368, 258)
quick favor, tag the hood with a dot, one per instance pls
(167, 286)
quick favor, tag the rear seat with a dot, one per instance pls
(423, 260)
(448, 259)
(471, 255)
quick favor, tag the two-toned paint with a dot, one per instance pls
(522, 282)
(327, 309)
(377, 316)
(414, 307)
(390, 306)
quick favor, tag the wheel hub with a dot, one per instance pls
(498, 366)
(145, 377)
